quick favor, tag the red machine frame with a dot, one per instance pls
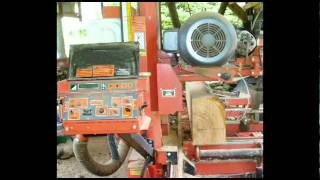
(164, 76)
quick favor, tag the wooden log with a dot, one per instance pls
(207, 115)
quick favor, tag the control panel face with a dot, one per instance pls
(111, 85)
(113, 99)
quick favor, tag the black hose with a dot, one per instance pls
(86, 160)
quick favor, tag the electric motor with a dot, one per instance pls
(207, 39)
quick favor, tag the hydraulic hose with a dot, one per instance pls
(81, 152)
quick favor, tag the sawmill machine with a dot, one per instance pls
(131, 93)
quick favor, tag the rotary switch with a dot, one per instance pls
(101, 110)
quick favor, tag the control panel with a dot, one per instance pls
(98, 100)
(81, 86)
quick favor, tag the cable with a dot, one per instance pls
(246, 85)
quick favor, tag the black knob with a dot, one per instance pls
(101, 110)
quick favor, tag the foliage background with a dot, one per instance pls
(186, 9)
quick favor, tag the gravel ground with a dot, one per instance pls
(71, 168)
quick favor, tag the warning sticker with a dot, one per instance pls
(74, 114)
(135, 172)
(101, 111)
(79, 103)
(127, 111)
(96, 102)
(103, 70)
(84, 72)
(127, 100)
(116, 101)
(114, 111)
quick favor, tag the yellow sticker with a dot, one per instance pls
(135, 172)
(143, 53)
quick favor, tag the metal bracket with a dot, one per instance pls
(143, 146)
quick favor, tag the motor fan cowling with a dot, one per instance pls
(207, 39)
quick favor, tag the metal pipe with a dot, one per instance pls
(125, 21)
(121, 22)
(231, 153)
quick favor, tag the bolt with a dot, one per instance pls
(219, 74)
(67, 128)
(134, 126)
(169, 154)
(252, 72)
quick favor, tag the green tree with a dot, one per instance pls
(186, 9)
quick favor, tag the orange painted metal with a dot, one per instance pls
(101, 126)
(165, 129)
(225, 167)
(83, 138)
(189, 150)
(154, 131)
(232, 129)
(156, 171)
(63, 87)
(237, 101)
(168, 82)
(150, 11)
(234, 114)
(161, 157)
(111, 11)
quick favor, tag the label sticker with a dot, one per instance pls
(168, 93)
(101, 111)
(114, 111)
(135, 172)
(103, 70)
(127, 100)
(79, 103)
(74, 114)
(84, 72)
(135, 103)
(116, 101)
(96, 102)
(127, 111)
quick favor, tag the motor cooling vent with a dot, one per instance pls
(208, 40)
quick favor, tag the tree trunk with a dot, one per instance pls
(173, 14)
(235, 8)
(223, 7)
